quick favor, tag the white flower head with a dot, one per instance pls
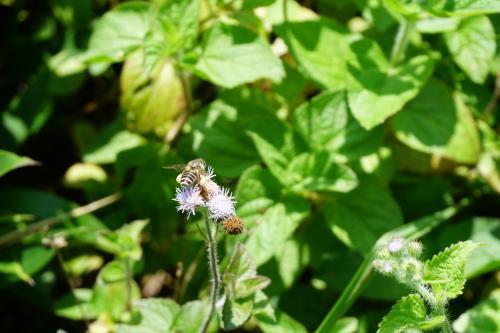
(221, 205)
(188, 199)
(396, 245)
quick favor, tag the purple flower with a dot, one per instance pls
(188, 199)
(221, 205)
(210, 173)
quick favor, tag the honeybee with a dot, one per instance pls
(191, 173)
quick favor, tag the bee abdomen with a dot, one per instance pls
(188, 178)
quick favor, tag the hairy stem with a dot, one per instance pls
(437, 308)
(214, 271)
(128, 281)
(401, 42)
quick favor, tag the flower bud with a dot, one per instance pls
(414, 248)
(396, 245)
(233, 225)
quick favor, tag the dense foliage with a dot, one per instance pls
(345, 129)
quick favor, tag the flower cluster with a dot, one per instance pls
(399, 258)
(218, 201)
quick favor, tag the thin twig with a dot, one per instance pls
(492, 104)
(214, 270)
(15, 236)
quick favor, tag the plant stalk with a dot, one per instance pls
(401, 42)
(214, 271)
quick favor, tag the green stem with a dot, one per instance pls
(401, 42)
(214, 270)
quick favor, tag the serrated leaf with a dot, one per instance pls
(446, 270)
(473, 46)
(249, 286)
(236, 313)
(483, 231)
(10, 161)
(326, 123)
(380, 93)
(241, 263)
(409, 312)
(231, 56)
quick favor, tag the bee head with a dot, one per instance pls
(198, 163)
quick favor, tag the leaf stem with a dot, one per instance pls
(214, 270)
(401, 42)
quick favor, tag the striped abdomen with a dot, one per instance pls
(188, 178)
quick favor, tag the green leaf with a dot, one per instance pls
(155, 316)
(379, 94)
(10, 161)
(472, 8)
(325, 51)
(151, 101)
(77, 309)
(318, 172)
(482, 318)
(277, 225)
(473, 46)
(119, 32)
(15, 269)
(409, 312)
(439, 122)
(359, 217)
(108, 143)
(112, 290)
(326, 122)
(236, 313)
(179, 19)
(446, 270)
(483, 231)
(36, 257)
(283, 324)
(190, 317)
(223, 129)
(231, 56)
(175, 26)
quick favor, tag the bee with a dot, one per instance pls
(191, 173)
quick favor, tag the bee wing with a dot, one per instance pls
(177, 167)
